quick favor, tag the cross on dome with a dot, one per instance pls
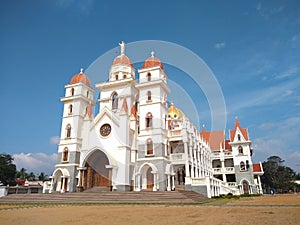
(122, 45)
(81, 70)
(152, 54)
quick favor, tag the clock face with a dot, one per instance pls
(105, 130)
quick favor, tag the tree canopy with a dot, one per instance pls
(7, 169)
(277, 176)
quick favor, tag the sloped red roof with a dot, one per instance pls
(124, 105)
(257, 168)
(227, 145)
(244, 131)
(215, 139)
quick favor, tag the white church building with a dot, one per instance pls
(138, 142)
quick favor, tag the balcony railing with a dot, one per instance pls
(177, 156)
(174, 133)
(224, 170)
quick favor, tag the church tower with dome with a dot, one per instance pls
(138, 142)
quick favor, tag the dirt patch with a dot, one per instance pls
(262, 210)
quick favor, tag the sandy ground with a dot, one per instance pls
(279, 209)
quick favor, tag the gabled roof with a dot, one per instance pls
(215, 139)
(244, 131)
(257, 168)
(124, 105)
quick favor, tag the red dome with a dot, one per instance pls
(122, 60)
(152, 62)
(80, 77)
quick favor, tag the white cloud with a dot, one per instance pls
(35, 162)
(281, 139)
(292, 71)
(267, 96)
(54, 140)
(220, 45)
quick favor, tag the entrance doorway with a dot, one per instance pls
(150, 179)
(245, 187)
(96, 174)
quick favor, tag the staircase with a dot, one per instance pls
(98, 196)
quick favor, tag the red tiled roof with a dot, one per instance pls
(122, 60)
(80, 77)
(257, 168)
(152, 62)
(215, 139)
(243, 130)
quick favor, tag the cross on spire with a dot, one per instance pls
(81, 70)
(152, 54)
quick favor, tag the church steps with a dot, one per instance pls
(106, 197)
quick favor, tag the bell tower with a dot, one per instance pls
(78, 101)
(152, 137)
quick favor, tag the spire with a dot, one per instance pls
(124, 105)
(122, 45)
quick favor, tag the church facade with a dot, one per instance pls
(138, 142)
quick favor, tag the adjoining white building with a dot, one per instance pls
(136, 142)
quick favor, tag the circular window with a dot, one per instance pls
(105, 130)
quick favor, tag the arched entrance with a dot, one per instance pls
(96, 173)
(245, 187)
(148, 177)
(60, 180)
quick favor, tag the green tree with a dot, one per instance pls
(7, 169)
(43, 177)
(276, 175)
(22, 173)
(31, 176)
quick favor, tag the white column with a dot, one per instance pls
(168, 183)
(173, 182)
(154, 180)
(259, 185)
(138, 182)
(187, 168)
(63, 185)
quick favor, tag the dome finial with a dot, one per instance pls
(81, 70)
(122, 44)
(152, 54)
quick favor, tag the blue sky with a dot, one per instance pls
(252, 47)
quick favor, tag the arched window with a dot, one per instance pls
(72, 91)
(239, 137)
(149, 147)
(242, 166)
(87, 94)
(240, 148)
(68, 131)
(114, 101)
(149, 120)
(117, 77)
(149, 95)
(124, 76)
(70, 109)
(65, 155)
(247, 164)
(149, 77)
